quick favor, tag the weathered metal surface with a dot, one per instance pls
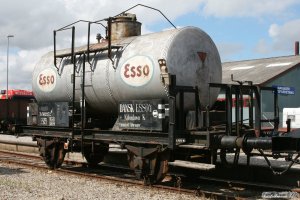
(125, 26)
(151, 164)
(52, 151)
(46, 131)
(137, 74)
(53, 114)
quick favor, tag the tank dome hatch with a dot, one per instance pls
(125, 25)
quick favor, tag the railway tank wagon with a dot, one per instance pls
(127, 82)
(150, 94)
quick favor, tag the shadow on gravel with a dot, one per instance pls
(10, 171)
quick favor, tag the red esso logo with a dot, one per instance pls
(46, 80)
(137, 71)
(133, 71)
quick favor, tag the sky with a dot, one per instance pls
(241, 29)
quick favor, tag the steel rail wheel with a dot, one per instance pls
(94, 154)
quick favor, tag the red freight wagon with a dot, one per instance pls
(14, 109)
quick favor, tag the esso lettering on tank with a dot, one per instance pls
(137, 71)
(46, 80)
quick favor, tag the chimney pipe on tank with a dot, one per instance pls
(297, 48)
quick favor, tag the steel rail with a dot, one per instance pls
(17, 143)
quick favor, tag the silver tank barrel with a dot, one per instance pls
(135, 74)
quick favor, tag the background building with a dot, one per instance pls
(280, 72)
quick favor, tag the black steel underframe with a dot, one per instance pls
(120, 137)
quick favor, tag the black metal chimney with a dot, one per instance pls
(297, 48)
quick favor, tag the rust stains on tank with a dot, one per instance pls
(125, 25)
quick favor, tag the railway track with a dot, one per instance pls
(103, 172)
(204, 186)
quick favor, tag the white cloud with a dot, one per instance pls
(281, 39)
(273, 30)
(97, 10)
(285, 35)
(26, 59)
(246, 8)
(32, 23)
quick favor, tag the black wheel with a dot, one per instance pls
(152, 169)
(54, 155)
(95, 155)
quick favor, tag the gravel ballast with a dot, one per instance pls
(19, 182)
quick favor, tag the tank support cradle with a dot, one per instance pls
(52, 151)
(148, 163)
